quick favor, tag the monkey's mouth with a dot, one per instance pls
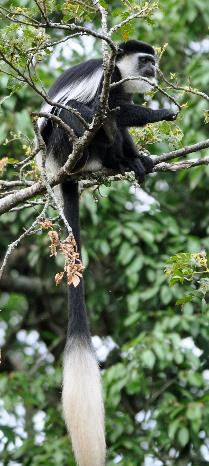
(152, 79)
(151, 74)
(145, 86)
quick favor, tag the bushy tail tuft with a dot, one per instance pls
(82, 403)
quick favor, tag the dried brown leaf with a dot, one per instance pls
(58, 277)
(3, 164)
(54, 237)
(75, 280)
(46, 224)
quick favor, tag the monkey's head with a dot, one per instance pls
(136, 58)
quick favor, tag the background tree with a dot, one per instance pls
(154, 352)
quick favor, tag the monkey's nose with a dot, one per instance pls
(150, 73)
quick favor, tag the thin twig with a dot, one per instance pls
(12, 76)
(6, 13)
(28, 159)
(53, 44)
(156, 86)
(181, 152)
(187, 89)
(12, 184)
(43, 94)
(49, 189)
(185, 164)
(28, 204)
(42, 11)
(15, 243)
(140, 14)
(59, 122)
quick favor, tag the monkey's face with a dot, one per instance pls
(146, 66)
(134, 65)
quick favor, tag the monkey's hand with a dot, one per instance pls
(169, 115)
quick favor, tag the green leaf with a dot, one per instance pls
(126, 253)
(194, 411)
(132, 319)
(173, 427)
(8, 432)
(148, 359)
(183, 436)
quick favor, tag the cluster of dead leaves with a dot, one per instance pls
(73, 266)
(46, 224)
(3, 164)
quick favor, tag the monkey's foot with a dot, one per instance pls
(141, 166)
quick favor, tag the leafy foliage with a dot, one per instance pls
(155, 335)
(192, 269)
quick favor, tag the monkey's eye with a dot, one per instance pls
(152, 60)
(143, 60)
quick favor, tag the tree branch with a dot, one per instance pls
(59, 122)
(49, 189)
(12, 200)
(52, 25)
(185, 164)
(181, 152)
(15, 243)
(18, 197)
(139, 14)
(155, 86)
(187, 89)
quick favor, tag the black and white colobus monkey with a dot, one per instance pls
(112, 147)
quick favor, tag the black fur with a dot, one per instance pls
(133, 46)
(77, 324)
(112, 144)
(80, 87)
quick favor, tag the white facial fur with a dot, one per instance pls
(128, 67)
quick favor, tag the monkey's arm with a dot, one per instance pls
(135, 115)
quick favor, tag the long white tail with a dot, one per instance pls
(82, 404)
